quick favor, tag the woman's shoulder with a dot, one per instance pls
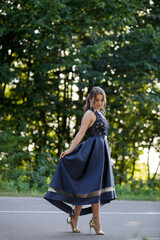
(89, 113)
(90, 109)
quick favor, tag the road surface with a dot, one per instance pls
(36, 219)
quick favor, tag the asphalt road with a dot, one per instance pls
(36, 219)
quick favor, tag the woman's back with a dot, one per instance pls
(100, 126)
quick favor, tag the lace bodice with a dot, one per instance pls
(100, 126)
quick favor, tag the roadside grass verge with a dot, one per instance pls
(124, 192)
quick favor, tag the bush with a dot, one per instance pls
(140, 190)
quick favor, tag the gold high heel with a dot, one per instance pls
(69, 221)
(96, 225)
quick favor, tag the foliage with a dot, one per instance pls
(139, 190)
(52, 49)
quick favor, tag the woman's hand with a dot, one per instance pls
(63, 154)
(85, 122)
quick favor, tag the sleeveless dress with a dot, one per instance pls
(85, 176)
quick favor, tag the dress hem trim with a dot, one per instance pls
(87, 195)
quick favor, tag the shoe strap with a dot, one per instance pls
(74, 216)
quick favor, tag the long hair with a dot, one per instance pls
(92, 94)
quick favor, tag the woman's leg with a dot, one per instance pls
(77, 211)
(96, 218)
(95, 210)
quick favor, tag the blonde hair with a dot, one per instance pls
(92, 94)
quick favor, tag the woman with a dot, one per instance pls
(84, 173)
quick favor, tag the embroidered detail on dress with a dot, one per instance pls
(100, 126)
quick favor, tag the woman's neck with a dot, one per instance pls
(96, 109)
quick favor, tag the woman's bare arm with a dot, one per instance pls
(85, 123)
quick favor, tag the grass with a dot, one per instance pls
(35, 193)
(135, 190)
(21, 194)
(139, 197)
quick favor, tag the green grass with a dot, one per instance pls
(139, 197)
(135, 190)
(21, 194)
(35, 193)
(138, 191)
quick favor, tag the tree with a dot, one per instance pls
(49, 49)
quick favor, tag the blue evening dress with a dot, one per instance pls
(85, 176)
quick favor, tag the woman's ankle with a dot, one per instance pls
(97, 224)
(75, 220)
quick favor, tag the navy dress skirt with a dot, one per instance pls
(85, 176)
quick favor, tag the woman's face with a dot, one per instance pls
(99, 102)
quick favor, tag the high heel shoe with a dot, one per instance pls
(69, 221)
(96, 225)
